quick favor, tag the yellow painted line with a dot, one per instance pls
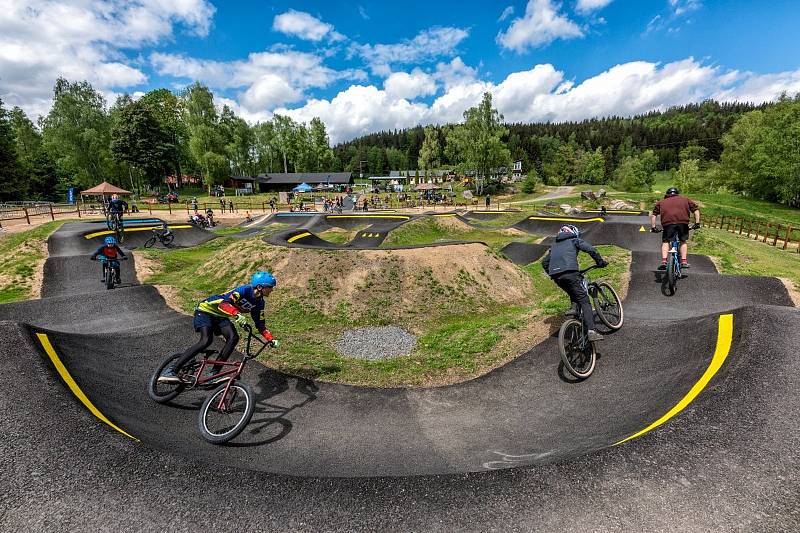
(598, 219)
(65, 375)
(128, 230)
(401, 217)
(724, 339)
(447, 215)
(298, 237)
(612, 211)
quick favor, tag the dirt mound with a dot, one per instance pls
(402, 286)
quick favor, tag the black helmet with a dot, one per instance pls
(672, 191)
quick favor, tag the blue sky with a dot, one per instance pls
(368, 66)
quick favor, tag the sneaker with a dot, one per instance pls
(685, 265)
(572, 312)
(663, 266)
(169, 376)
(593, 336)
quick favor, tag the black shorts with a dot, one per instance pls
(671, 230)
(204, 320)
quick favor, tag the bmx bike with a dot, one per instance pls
(109, 279)
(165, 237)
(673, 271)
(578, 353)
(229, 407)
(114, 223)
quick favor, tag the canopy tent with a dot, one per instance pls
(105, 189)
(303, 187)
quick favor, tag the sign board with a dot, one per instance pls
(283, 198)
(71, 195)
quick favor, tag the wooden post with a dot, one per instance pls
(169, 207)
(722, 222)
(758, 224)
(27, 217)
(749, 227)
(741, 226)
(788, 237)
(52, 215)
(78, 207)
(766, 232)
(150, 208)
(775, 240)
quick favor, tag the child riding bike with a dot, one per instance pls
(561, 264)
(214, 316)
(674, 210)
(109, 252)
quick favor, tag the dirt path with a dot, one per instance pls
(559, 192)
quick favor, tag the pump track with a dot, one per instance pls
(689, 423)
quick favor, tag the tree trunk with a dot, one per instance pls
(285, 167)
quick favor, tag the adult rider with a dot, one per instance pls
(215, 316)
(561, 264)
(675, 211)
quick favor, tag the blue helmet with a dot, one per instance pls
(263, 279)
(570, 228)
(110, 241)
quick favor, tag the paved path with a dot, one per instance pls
(520, 448)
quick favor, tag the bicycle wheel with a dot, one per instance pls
(608, 305)
(220, 422)
(167, 240)
(119, 233)
(109, 275)
(164, 392)
(672, 275)
(577, 353)
(150, 242)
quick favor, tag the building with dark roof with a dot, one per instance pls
(286, 181)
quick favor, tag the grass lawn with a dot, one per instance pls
(342, 235)
(19, 255)
(430, 230)
(739, 255)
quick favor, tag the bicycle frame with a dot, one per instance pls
(674, 254)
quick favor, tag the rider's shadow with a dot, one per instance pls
(269, 417)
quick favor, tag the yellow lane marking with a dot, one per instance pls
(560, 219)
(298, 237)
(724, 338)
(403, 217)
(128, 230)
(65, 375)
(641, 228)
(447, 215)
(612, 211)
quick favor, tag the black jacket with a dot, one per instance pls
(563, 255)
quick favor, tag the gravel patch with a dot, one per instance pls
(377, 342)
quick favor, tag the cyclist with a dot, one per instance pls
(674, 210)
(214, 316)
(561, 264)
(109, 251)
(116, 207)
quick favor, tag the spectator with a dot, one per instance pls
(194, 203)
(488, 201)
(222, 205)
(230, 206)
(272, 205)
(247, 217)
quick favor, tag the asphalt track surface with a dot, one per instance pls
(521, 448)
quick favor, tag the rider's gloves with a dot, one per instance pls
(602, 264)
(696, 225)
(655, 230)
(267, 335)
(240, 319)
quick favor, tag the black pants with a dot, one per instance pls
(571, 283)
(227, 330)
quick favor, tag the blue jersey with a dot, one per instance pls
(242, 298)
(117, 206)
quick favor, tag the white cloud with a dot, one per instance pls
(543, 94)
(541, 25)
(507, 12)
(426, 46)
(456, 72)
(681, 7)
(43, 39)
(409, 85)
(304, 26)
(363, 13)
(268, 92)
(587, 6)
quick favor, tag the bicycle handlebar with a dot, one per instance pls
(585, 270)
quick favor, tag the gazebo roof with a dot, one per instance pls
(103, 189)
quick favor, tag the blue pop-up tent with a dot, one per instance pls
(303, 187)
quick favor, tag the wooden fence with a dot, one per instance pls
(784, 235)
(27, 213)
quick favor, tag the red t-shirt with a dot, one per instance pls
(674, 210)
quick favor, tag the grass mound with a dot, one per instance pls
(21, 258)
(429, 230)
(470, 309)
